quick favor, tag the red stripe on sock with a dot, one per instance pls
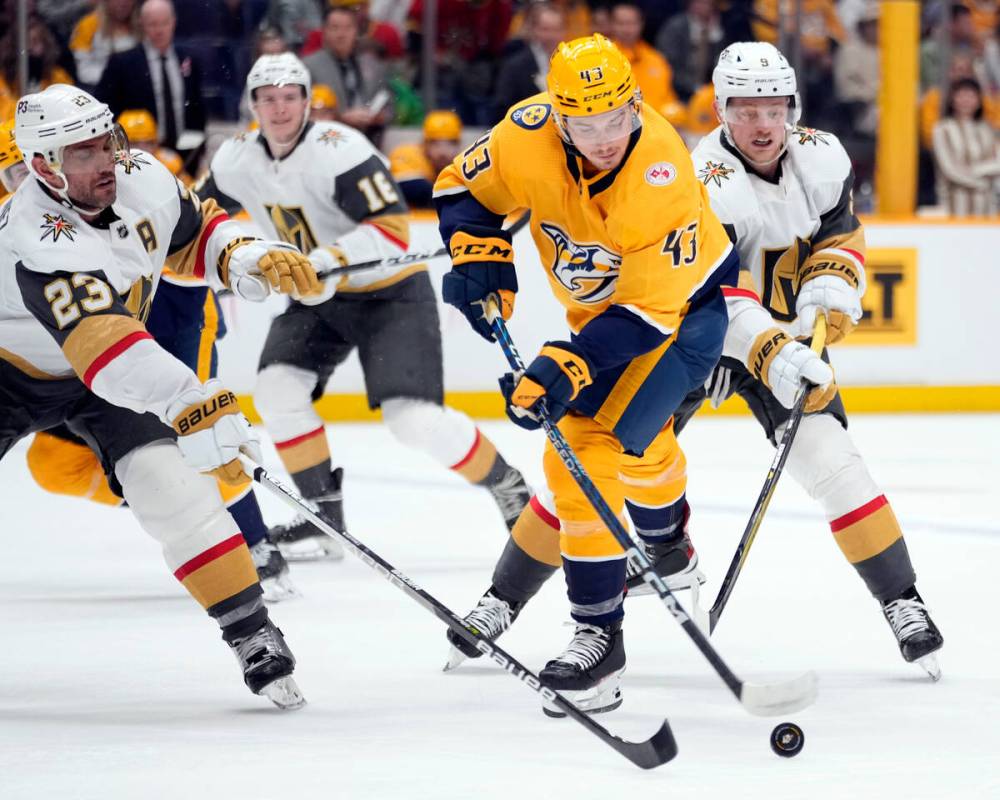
(858, 514)
(471, 453)
(211, 554)
(111, 354)
(543, 512)
(298, 439)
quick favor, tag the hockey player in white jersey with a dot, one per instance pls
(82, 244)
(784, 194)
(323, 187)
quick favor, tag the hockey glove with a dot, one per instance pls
(257, 267)
(558, 374)
(834, 296)
(212, 432)
(323, 260)
(782, 364)
(482, 266)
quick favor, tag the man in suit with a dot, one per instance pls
(523, 74)
(157, 76)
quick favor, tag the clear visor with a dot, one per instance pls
(772, 115)
(605, 127)
(95, 155)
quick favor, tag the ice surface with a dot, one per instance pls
(114, 684)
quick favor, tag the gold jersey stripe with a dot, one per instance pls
(92, 336)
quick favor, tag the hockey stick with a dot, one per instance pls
(707, 620)
(407, 258)
(760, 699)
(658, 749)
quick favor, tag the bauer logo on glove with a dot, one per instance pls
(203, 415)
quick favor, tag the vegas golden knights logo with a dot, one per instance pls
(780, 279)
(140, 298)
(292, 227)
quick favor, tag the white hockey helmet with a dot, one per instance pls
(49, 121)
(281, 69)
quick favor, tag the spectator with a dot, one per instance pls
(112, 27)
(691, 43)
(577, 19)
(415, 166)
(323, 103)
(600, 21)
(268, 42)
(991, 61)
(140, 127)
(43, 68)
(523, 73)
(856, 72)
(966, 153)
(59, 15)
(357, 79)
(931, 104)
(964, 42)
(294, 18)
(651, 70)
(380, 37)
(161, 78)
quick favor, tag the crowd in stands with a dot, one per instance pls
(183, 62)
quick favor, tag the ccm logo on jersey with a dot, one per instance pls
(772, 345)
(587, 271)
(195, 416)
(662, 173)
(531, 117)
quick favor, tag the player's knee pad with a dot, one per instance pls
(63, 467)
(825, 462)
(176, 505)
(658, 478)
(443, 433)
(283, 397)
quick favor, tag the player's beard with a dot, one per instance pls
(99, 194)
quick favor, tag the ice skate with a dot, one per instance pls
(267, 665)
(511, 495)
(675, 561)
(272, 572)
(491, 617)
(918, 636)
(300, 540)
(588, 673)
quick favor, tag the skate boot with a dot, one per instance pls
(492, 616)
(511, 494)
(918, 636)
(675, 561)
(272, 572)
(267, 666)
(300, 540)
(588, 673)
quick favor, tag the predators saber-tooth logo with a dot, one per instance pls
(587, 271)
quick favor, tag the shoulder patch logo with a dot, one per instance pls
(715, 172)
(811, 136)
(241, 137)
(662, 173)
(587, 271)
(131, 160)
(331, 137)
(55, 225)
(531, 117)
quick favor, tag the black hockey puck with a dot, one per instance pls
(787, 739)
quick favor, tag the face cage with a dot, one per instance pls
(635, 103)
(794, 108)
(122, 150)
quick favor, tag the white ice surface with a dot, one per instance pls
(114, 684)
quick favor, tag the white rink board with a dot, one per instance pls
(958, 283)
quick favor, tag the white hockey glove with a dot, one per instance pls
(783, 364)
(833, 296)
(324, 259)
(212, 432)
(257, 267)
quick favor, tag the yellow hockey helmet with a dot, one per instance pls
(323, 97)
(138, 125)
(442, 125)
(9, 152)
(589, 76)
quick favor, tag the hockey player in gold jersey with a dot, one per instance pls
(415, 165)
(636, 257)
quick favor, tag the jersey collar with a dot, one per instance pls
(602, 180)
(747, 165)
(263, 142)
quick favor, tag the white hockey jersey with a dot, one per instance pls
(334, 189)
(801, 223)
(74, 294)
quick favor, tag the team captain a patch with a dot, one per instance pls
(532, 117)
(662, 173)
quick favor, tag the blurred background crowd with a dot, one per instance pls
(383, 66)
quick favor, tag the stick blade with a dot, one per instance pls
(777, 699)
(660, 748)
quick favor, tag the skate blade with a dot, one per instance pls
(930, 665)
(279, 589)
(678, 582)
(312, 548)
(455, 659)
(605, 696)
(284, 693)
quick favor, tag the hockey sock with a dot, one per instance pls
(660, 524)
(242, 504)
(870, 538)
(530, 556)
(307, 459)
